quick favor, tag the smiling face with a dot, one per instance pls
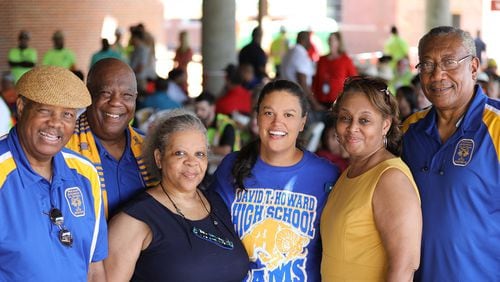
(280, 121)
(452, 89)
(114, 91)
(184, 161)
(43, 130)
(360, 126)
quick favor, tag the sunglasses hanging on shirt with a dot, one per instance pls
(57, 218)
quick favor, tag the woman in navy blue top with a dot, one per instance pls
(174, 231)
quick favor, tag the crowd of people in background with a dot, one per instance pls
(304, 166)
(320, 76)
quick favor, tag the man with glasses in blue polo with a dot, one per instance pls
(453, 151)
(53, 226)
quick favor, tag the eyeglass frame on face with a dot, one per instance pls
(452, 65)
(64, 234)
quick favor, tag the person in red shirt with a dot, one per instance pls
(331, 71)
(330, 147)
(184, 53)
(235, 98)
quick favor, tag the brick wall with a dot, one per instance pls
(366, 24)
(81, 22)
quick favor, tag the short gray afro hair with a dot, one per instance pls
(158, 136)
(465, 37)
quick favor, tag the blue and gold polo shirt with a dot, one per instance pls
(459, 184)
(30, 249)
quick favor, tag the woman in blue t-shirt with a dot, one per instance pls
(276, 190)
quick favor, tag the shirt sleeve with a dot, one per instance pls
(101, 249)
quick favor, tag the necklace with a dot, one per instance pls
(209, 213)
(207, 236)
(178, 210)
(173, 203)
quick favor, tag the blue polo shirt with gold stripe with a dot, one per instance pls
(459, 184)
(30, 249)
(120, 179)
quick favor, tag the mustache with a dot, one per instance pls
(440, 84)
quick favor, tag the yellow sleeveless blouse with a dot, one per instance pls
(352, 247)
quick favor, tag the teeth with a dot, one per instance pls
(279, 133)
(112, 115)
(49, 136)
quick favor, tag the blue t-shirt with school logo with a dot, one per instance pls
(277, 215)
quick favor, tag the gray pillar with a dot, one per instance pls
(218, 41)
(262, 11)
(437, 13)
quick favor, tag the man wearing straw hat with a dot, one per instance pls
(53, 226)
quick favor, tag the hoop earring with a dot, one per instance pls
(384, 139)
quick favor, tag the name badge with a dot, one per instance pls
(326, 88)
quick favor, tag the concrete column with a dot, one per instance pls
(218, 41)
(262, 11)
(437, 13)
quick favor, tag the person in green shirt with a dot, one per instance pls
(396, 47)
(279, 47)
(59, 56)
(22, 58)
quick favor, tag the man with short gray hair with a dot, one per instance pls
(453, 151)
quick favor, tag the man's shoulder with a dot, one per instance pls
(136, 132)
(14, 51)
(76, 160)
(493, 105)
(50, 52)
(80, 164)
(7, 162)
(491, 119)
(414, 119)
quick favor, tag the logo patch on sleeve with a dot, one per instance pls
(463, 152)
(76, 204)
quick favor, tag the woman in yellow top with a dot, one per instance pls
(371, 225)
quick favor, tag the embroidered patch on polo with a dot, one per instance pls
(75, 200)
(463, 152)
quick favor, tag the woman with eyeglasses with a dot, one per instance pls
(371, 225)
(276, 190)
(175, 231)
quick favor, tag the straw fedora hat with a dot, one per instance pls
(55, 86)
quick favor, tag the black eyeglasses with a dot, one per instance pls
(444, 65)
(57, 218)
